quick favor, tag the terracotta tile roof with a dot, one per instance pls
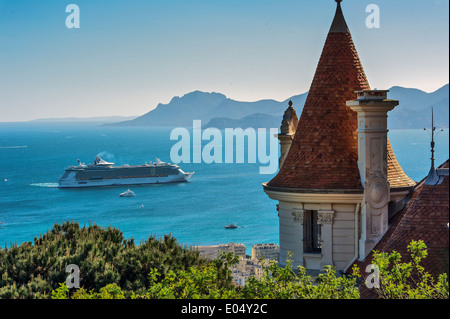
(396, 176)
(424, 218)
(324, 153)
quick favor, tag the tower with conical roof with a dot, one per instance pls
(319, 186)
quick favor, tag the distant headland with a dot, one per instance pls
(217, 110)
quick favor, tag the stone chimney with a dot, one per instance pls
(372, 108)
(288, 128)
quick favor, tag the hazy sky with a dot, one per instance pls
(129, 55)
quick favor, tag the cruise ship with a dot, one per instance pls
(103, 173)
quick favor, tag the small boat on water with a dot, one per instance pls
(128, 193)
(231, 226)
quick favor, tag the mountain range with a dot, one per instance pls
(216, 110)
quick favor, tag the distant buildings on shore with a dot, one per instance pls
(214, 251)
(259, 251)
(248, 266)
(266, 251)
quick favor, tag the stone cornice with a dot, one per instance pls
(324, 197)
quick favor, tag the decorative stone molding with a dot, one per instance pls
(325, 217)
(298, 215)
(377, 193)
(313, 197)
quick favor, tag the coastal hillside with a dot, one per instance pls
(216, 110)
(414, 110)
(257, 120)
(181, 111)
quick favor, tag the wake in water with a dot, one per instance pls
(12, 147)
(46, 185)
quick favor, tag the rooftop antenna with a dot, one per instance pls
(433, 129)
(433, 177)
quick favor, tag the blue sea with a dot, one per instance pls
(34, 155)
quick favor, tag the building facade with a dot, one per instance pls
(340, 181)
(214, 251)
(266, 251)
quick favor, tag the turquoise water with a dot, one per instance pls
(33, 157)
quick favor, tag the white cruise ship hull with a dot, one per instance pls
(73, 183)
(105, 174)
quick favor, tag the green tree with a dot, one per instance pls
(284, 283)
(113, 267)
(408, 280)
(103, 255)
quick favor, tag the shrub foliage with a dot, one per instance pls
(103, 255)
(112, 267)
